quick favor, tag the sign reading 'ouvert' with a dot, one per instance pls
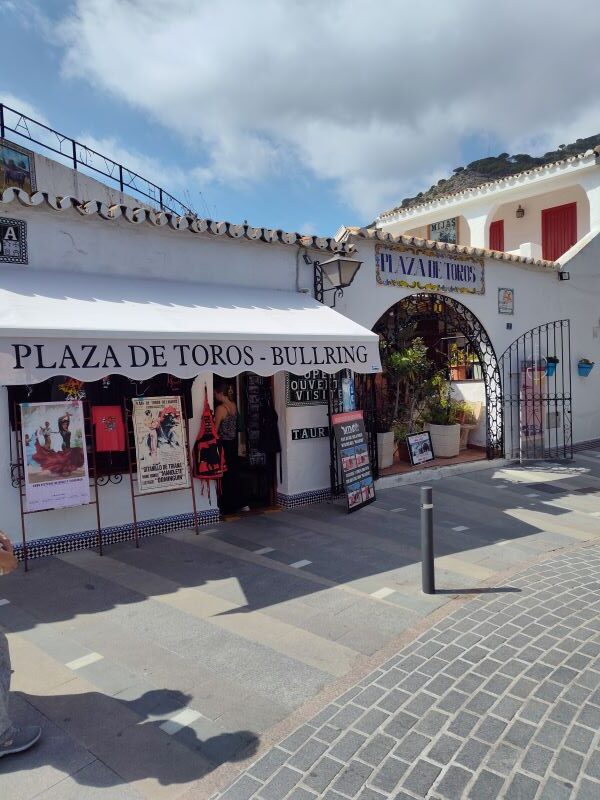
(428, 269)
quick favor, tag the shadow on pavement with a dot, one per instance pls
(125, 733)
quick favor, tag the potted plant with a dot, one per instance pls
(474, 367)
(551, 362)
(384, 422)
(401, 431)
(466, 416)
(441, 419)
(406, 367)
(584, 367)
(458, 363)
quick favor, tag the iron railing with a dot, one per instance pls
(80, 156)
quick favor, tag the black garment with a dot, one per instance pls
(268, 440)
(232, 497)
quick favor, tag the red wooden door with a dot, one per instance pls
(497, 235)
(559, 230)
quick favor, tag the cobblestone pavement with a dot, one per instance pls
(158, 673)
(501, 699)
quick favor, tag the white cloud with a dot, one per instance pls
(23, 107)
(376, 98)
(157, 171)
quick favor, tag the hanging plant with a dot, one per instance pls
(584, 367)
(551, 362)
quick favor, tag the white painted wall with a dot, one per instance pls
(529, 227)
(68, 242)
(61, 181)
(473, 392)
(562, 183)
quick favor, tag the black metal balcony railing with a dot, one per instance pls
(80, 156)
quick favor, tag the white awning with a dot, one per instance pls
(88, 326)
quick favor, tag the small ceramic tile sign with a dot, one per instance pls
(506, 301)
(13, 241)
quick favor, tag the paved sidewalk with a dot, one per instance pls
(159, 673)
(501, 699)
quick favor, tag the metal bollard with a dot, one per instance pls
(427, 569)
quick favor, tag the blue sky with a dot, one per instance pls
(300, 114)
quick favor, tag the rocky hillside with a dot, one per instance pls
(490, 169)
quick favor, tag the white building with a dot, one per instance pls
(541, 213)
(103, 270)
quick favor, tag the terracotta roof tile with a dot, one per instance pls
(165, 219)
(399, 211)
(442, 247)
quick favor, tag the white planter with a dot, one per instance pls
(385, 449)
(445, 440)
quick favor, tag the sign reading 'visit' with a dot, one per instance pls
(432, 272)
(309, 389)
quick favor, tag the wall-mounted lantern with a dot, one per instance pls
(520, 212)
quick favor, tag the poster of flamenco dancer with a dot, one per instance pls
(160, 444)
(54, 455)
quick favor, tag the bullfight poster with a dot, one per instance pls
(160, 444)
(54, 455)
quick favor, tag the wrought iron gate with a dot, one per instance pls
(536, 382)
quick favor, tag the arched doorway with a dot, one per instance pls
(436, 312)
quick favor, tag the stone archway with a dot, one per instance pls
(422, 307)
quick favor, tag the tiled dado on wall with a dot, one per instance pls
(84, 540)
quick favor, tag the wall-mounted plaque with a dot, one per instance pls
(309, 389)
(506, 301)
(446, 230)
(316, 432)
(13, 241)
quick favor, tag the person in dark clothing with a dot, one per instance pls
(63, 429)
(226, 422)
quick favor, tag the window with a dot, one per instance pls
(559, 230)
(497, 235)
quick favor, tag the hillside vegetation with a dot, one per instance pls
(490, 169)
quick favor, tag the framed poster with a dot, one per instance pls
(351, 438)
(54, 455)
(160, 444)
(16, 167)
(506, 301)
(444, 231)
(420, 448)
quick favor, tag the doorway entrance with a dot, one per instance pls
(256, 445)
(456, 344)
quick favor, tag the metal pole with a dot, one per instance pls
(427, 569)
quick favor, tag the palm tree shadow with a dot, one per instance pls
(136, 740)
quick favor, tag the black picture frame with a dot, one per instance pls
(420, 448)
